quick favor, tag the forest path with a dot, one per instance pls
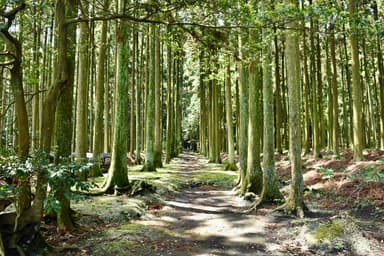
(199, 219)
(209, 220)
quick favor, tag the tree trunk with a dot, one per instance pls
(138, 127)
(254, 178)
(231, 165)
(243, 122)
(307, 136)
(315, 110)
(170, 108)
(358, 144)
(64, 124)
(279, 148)
(81, 135)
(295, 200)
(133, 117)
(14, 47)
(36, 78)
(335, 109)
(158, 109)
(149, 165)
(118, 172)
(270, 190)
(380, 67)
(98, 130)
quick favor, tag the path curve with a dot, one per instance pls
(211, 221)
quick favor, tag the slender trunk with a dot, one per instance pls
(307, 136)
(158, 109)
(295, 200)
(99, 102)
(335, 127)
(118, 173)
(170, 113)
(279, 148)
(228, 107)
(315, 110)
(254, 177)
(36, 78)
(138, 108)
(133, 116)
(81, 136)
(356, 86)
(270, 191)
(243, 127)
(380, 67)
(149, 164)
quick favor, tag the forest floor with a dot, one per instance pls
(194, 212)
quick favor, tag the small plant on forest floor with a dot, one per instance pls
(327, 173)
(370, 174)
(64, 179)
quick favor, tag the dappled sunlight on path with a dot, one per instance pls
(210, 220)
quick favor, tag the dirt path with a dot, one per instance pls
(207, 220)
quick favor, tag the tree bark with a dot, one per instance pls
(158, 109)
(243, 118)
(99, 102)
(81, 135)
(295, 200)
(149, 164)
(358, 143)
(231, 165)
(335, 109)
(254, 176)
(270, 189)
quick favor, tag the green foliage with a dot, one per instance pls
(370, 174)
(11, 170)
(64, 181)
(62, 178)
(327, 173)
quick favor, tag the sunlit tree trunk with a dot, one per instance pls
(118, 172)
(358, 143)
(315, 105)
(295, 200)
(380, 67)
(306, 84)
(243, 129)
(335, 109)
(254, 176)
(149, 164)
(270, 190)
(228, 107)
(202, 116)
(81, 135)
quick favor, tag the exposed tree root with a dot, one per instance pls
(291, 209)
(260, 202)
(230, 167)
(147, 168)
